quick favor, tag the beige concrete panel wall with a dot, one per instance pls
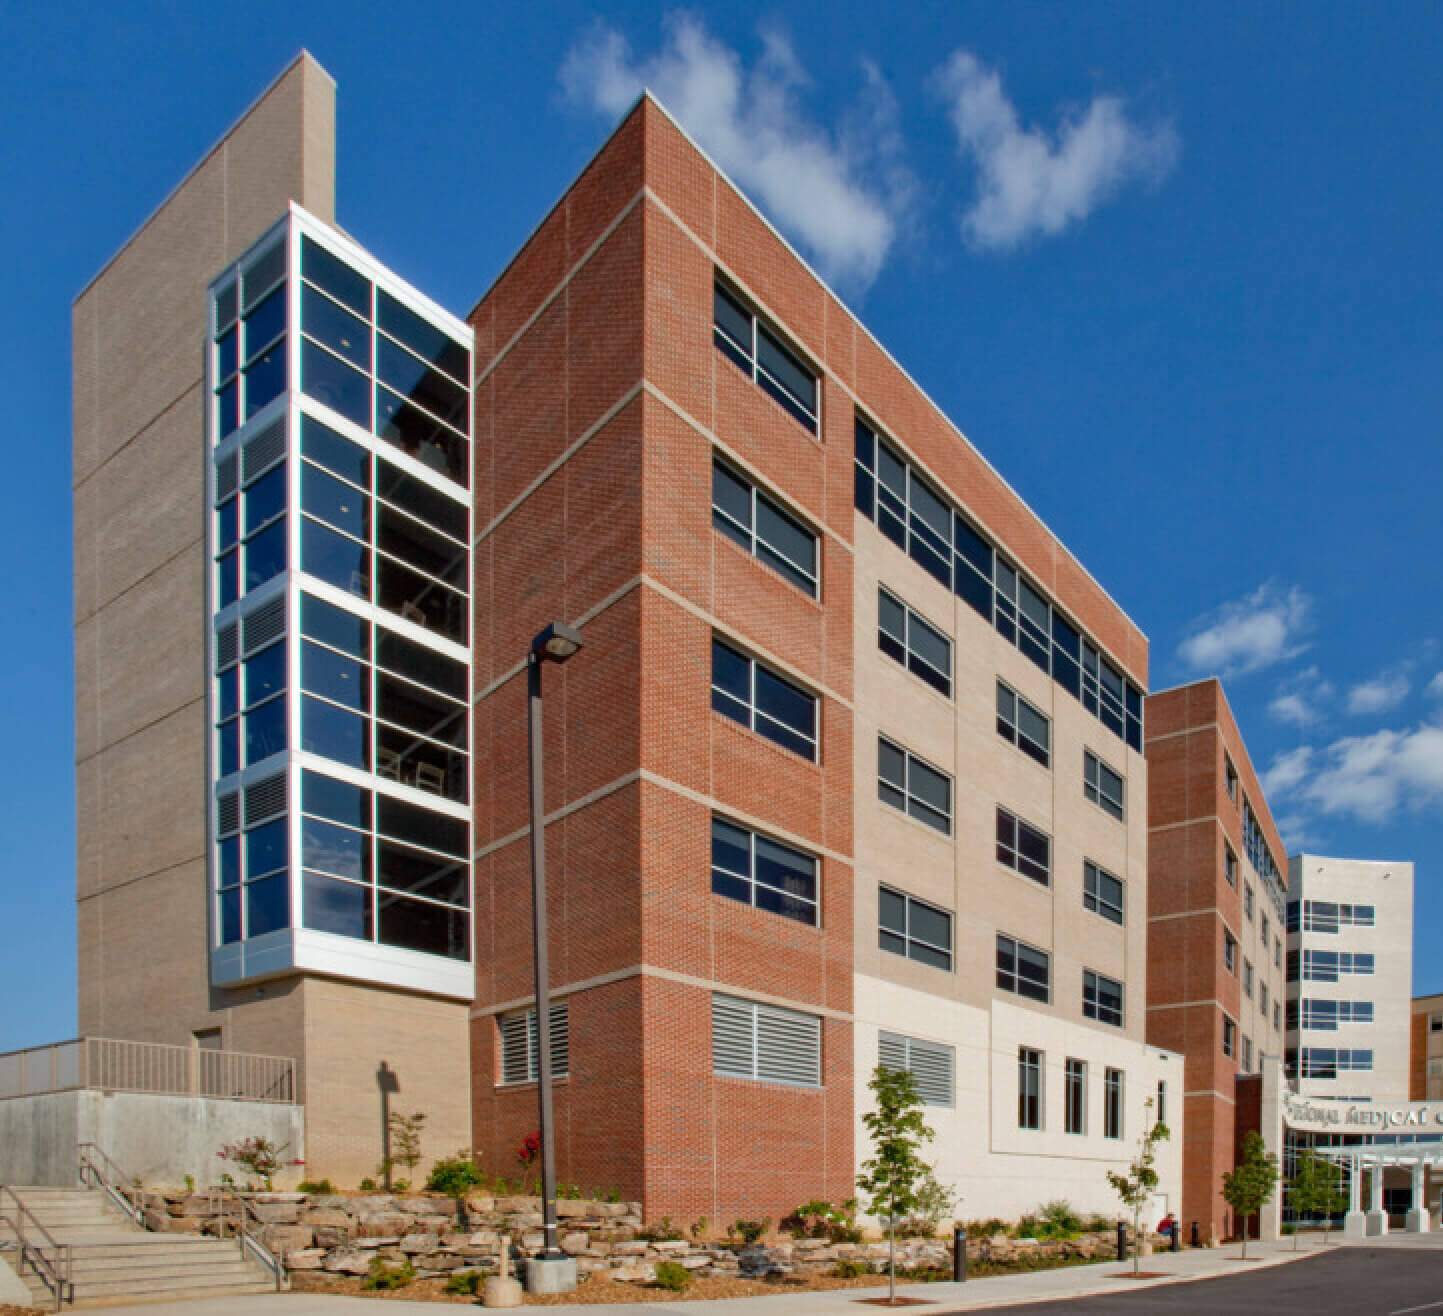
(424, 1043)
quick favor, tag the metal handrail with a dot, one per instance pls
(54, 1274)
(245, 1239)
(95, 1162)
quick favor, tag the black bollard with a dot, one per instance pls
(1122, 1240)
(1195, 1240)
(959, 1254)
(1176, 1236)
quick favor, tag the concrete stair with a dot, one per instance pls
(112, 1259)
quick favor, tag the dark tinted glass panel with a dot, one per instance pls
(436, 831)
(336, 277)
(731, 672)
(414, 925)
(786, 870)
(228, 748)
(786, 545)
(420, 599)
(265, 730)
(225, 302)
(931, 787)
(334, 733)
(420, 436)
(422, 874)
(226, 355)
(931, 925)
(335, 559)
(328, 498)
(266, 554)
(730, 847)
(342, 908)
(227, 408)
(415, 707)
(327, 448)
(422, 548)
(265, 674)
(338, 678)
(227, 523)
(228, 687)
(421, 336)
(266, 849)
(265, 322)
(786, 369)
(335, 626)
(334, 799)
(785, 703)
(420, 500)
(265, 378)
(338, 329)
(732, 318)
(230, 916)
(334, 384)
(230, 871)
(734, 497)
(421, 664)
(931, 511)
(892, 911)
(335, 850)
(417, 382)
(266, 498)
(268, 906)
(228, 578)
(411, 760)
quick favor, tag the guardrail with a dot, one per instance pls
(97, 1170)
(235, 1213)
(53, 1269)
(113, 1065)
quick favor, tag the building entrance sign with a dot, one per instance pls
(1326, 1115)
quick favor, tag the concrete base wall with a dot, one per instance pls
(158, 1140)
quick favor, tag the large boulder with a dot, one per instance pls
(415, 1244)
(307, 1258)
(348, 1261)
(284, 1239)
(277, 1213)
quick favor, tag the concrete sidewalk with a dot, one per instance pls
(1000, 1291)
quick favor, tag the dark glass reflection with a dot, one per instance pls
(341, 908)
(415, 707)
(228, 578)
(334, 384)
(335, 559)
(420, 664)
(326, 448)
(334, 733)
(266, 554)
(265, 730)
(408, 822)
(266, 848)
(340, 679)
(265, 499)
(422, 874)
(417, 382)
(227, 408)
(265, 378)
(421, 600)
(419, 436)
(335, 502)
(268, 906)
(422, 548)
(338, 329)
(415, 925)
(412, 761)
(230, 916)
(336, 277)
(335, 850)
(420, 500)
(335, 626)
(421, 336)
(337, 800)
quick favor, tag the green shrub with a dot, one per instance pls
(752, 1230)
(313, 1186)
(849, 1269)
(1056, 1220)
(1027, 1227)
(368, 1185)
(464, 1283)
(454, 1175)
(672, 1276)
(383, 1277)
(570, 1192)
(613, 1194)
(663, 1231)
(698, 1226)
(934, 1200)
(1098, 1223)
(1290, 1228)
(820, 1219)
(986, 1228)
(402, 1185)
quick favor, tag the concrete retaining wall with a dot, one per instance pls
(158, 1140)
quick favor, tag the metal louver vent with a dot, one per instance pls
(265, 798)
(750, 1040)
(519, 1057)
(227, 813)
(263, 273)
(932, 1065)
(225, 646)
(265, 448)
(225, 477)
(264, 624)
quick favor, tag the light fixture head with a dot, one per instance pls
(557, 642)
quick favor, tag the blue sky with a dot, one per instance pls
(1174, 269)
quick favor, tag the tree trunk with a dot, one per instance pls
(1245, 1238)
(1136, 1249)
(891, 1258)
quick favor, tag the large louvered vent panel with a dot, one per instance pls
(265, 624)
(263, 273)
(265, 799)
(265, 448)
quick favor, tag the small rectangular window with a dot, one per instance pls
(758, 871)
(931, 1064)
(1230, 1033)
(1248, 901)
(1101, 892)
(1230, 953)
(1029, 1088)
(1075, 1109)
(1101, 998)
(914, 786)
(758, 350)
(1102, 785)
(765, 1042)
(1230, 776)
(747, 692)
(1023, 969)
(1023, 725)
(756, 521)
(1230, 868)
(1247, 1065)
(1021, 847)
(520, 1057)
(915, 643)
(1248, 978)
(1112, 1103)
(1161, 1101)
(911, 927)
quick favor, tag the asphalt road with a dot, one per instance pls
(1355, 1281)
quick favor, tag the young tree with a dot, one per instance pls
(1249, 1185)
(1135, 1187)
(891, 1178)
(1316, 1188)
(406, 1141)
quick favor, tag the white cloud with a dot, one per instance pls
(842, 195)
(1301, 697)
(1435, 686)
(1386, 690)
(1297, 832)
(1027, 182)
(1287, 772)
(1256, 631)
(1294, 709)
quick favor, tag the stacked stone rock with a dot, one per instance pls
(441, 1236)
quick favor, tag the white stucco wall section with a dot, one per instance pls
(999, 1169)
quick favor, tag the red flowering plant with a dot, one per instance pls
(529, 1152)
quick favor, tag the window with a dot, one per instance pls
(919, 646)
(1101, 784)
(1263, 930)
(1278, 952)
(914, 786)
(1277, 1019)
(758, 871)
(943, 542)
(1248, 901)
(520, 1054)
(1230, 865)
(1256, 847)
(1230, 1032)
(1248, 978)
(1230, 777)
(1162, 1101)
(752, 1040)
(756, 521)
(1029, 1088)
(1435, 1023)
(1020, 846)
(1326, 1015)
(1112, 1103)
(1263, 999)
(1326, 916)
(1101, 892)
(747, 692)
(1230, 953)
(252, 866)
(759, 351)
(1074, 1112)
(1328, 965)
(1019, 722)
(1325, 1062)
(1023, 969)
(1247, 1065)
(910, 927)
(930, 1063)
(1101, 998)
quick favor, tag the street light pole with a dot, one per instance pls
(555, 644)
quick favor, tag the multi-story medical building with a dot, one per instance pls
(1216, 927)
(1350, 977)
(848, 770)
